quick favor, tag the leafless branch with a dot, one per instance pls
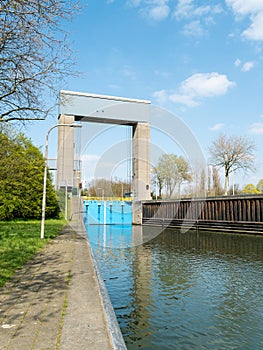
(232, 153)
(35, 56)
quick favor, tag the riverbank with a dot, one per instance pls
(20, 241)
(54, 301)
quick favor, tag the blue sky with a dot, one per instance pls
(201, 60)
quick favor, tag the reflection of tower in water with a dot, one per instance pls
(142, 292)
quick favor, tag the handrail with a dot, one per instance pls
(87, 198)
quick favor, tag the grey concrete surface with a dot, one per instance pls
(55, 302)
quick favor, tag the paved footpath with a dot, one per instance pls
(54, 302)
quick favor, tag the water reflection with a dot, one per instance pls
(194, 290)
(120, 236)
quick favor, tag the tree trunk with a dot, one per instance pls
(226, 183)
(179, 190)
(160, 191)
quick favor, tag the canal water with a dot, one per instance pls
(192, 290)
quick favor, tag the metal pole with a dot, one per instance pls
(44, 191)
(42, 232)
(66, 200)
(104, 214)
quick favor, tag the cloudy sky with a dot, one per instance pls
(201, 60)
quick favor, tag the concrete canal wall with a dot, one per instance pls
(229, 213)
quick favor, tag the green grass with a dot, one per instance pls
(20, 240)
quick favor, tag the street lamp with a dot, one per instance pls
(102, 192)
(45, 176)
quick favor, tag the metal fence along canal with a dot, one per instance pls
(234, 213)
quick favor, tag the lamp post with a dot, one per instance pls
(102, 193)
(45, 176)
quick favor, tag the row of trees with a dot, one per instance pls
(21, 179)
(172, 176)
(228, 153)
(107, 188)
(171, 171)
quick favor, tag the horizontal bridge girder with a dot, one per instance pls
(104, 109)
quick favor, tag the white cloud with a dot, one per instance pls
(256, 128)
(205, 10)
(245, 7)
(255, 31)
(187, 9)
(206, 85)
(159, 12)
(183, 99)
(216, 127)
(135, 3)
(128, 72)
(184, 8)
(197, 87)
(199, 16)
(247, 66)
(156, 10)
(193, 28)
(237, 62)
(161, 96)
(253, 9)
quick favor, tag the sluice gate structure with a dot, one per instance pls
(241, 214)
(92, 108)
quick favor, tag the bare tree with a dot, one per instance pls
(34, 56)
(217, 190)
(157, 181)
(208, 181)
(108, 188)
(203, 182)
(232, 153)
(199, 181)
(172, 170)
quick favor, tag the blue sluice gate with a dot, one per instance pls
(102, 212)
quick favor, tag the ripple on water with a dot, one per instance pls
(188, 291)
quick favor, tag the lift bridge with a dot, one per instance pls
(93, 108)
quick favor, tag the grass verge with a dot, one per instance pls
(20, 240)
